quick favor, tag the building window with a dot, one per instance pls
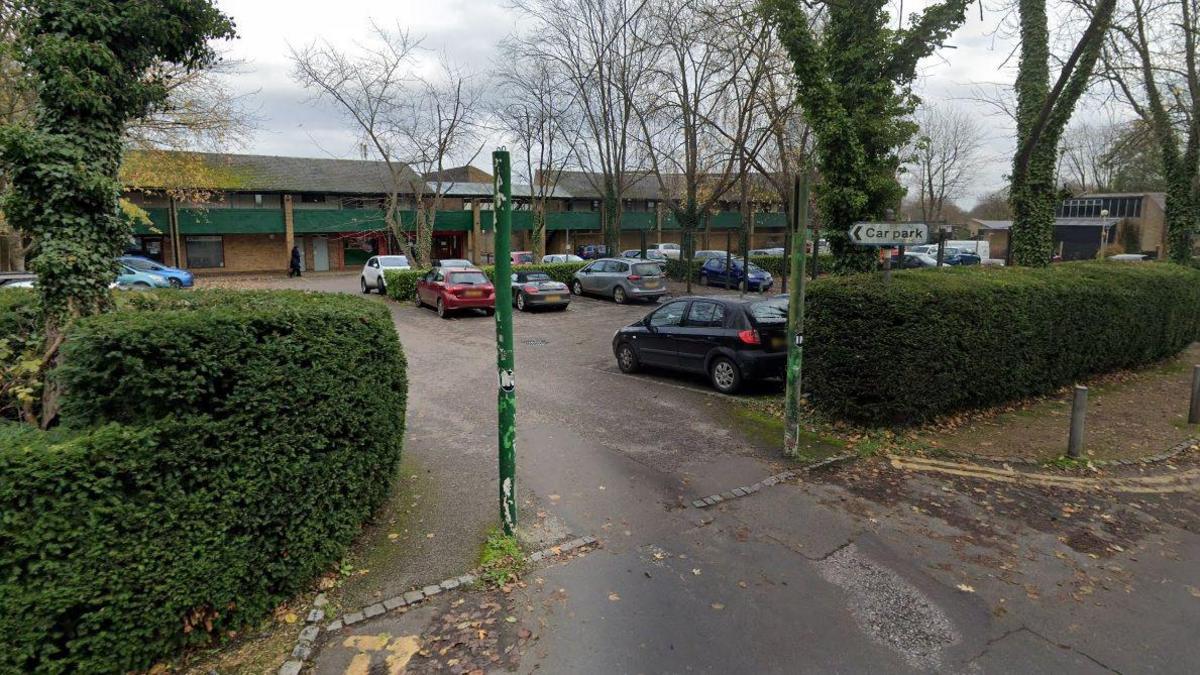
(595, 205)
(205, 251)
(312, 198)
(258, 201)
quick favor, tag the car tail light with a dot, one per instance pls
(531, 289)
(749, 337)
(634, 277)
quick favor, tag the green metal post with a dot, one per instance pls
(506, 397)
(795, 333)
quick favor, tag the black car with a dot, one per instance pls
(729, 340)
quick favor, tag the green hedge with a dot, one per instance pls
(935, 342)
(219, 450)
(402, 285)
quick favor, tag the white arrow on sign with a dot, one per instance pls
(889, 234)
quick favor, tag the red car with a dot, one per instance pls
(450, 289)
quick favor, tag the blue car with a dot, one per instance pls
(177, 278)
(128, 277)
(755, 278)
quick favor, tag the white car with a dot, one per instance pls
(1129, 257)
(372, 274)
(561, 258)
(776, 251)
(669, 250)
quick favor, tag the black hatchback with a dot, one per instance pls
(729, 340)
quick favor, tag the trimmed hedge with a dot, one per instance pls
(219, 450)
(938, 341)
(402, 285)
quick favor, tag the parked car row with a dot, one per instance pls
(132, 273)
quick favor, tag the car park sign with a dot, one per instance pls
(889, 234)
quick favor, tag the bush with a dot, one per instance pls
(935, 341)
(218, 451)
(402, 285)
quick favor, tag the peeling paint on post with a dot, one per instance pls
(506, 397)
(795, 332)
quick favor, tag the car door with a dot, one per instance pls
(715, 270)
(702, 331)
(372, 272)
(425, 288)
(658, 346)
(587, 276)
(599, 277)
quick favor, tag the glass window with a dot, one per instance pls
(439, 276)
(646, 269)
(773, 311)
(668, 315)
(141, 264)
(536, 276)
(205, 251)
(704, 314)
(393, 260)
(468, 278)
(618, 267)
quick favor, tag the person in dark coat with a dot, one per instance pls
(294, 270)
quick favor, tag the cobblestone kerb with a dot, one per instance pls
(747, 490)
(304, 644)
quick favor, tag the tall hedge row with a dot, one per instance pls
(218, 451)
(932, 342)
(402, 285)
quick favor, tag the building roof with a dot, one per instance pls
(1058, 222)
(645, 185)
(257, 173)
(456, 189)
(1159, 198)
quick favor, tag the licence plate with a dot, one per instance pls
(553, 298)
(651, 283)
(473, 294)
(777, 343)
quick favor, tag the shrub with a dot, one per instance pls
(935, 341)
(219, 450)
(402, 285)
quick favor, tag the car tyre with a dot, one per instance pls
(490, 311)
(619, 295)
(576, 287)
(382, 289)
(724, 374)
(417, 300)
(627, 359)
(441, 309)
(175, 283)
(362, 284)
(521, 305)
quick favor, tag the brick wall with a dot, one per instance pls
(253, 253)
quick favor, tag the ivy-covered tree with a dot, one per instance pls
(1042, 114)
(854, 74)
(95, 65)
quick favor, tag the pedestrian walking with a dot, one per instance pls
(294, 270)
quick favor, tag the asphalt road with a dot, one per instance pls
(813, 576)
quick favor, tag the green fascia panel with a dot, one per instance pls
(341, 220)
(452, 221)
(637, 220)
(774, 219)
(573, 220)
(230, 221)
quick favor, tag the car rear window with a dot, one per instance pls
(773, 311)
(646, 269)
(468, 278)
(393, 260)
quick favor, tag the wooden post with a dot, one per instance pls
(173, 233)
(1078, 413)
(476, 234)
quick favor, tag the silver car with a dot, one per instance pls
(621, 279)
(373, 272)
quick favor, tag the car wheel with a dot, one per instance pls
(175, 283)
(362, 284)
(619, 295)
(417, 300)
(441, 308)
(725, 376)
(576, 287)
(382, 287)
(521, 303)
(490, 311)
(627, 359)
(743, 285)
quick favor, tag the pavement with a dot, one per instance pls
(866, 568)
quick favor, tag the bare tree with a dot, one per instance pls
(17, 100)
(593, 47)
(414, 125)
(1087, 153)
(1150, 57)
(538, 115)
(944, 158)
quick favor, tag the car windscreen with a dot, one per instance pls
(523, 258)
(646, 269)
(773, 311)
(474, 278)
(454, 262)
(538, 276)
(143, 265)
(393, 261)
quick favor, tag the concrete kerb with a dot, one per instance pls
(303, 649)
(769, 481)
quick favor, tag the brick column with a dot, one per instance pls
(289, 231)
(476, 244)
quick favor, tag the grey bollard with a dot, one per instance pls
(1078, 412)
(1194, 410)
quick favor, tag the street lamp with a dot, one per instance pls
(1103, 233)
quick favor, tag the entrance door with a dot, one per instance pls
(320, 254)
(446, 246)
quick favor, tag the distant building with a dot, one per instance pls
(1083, 226)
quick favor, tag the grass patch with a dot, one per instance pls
(501, 560)
(1068, 463)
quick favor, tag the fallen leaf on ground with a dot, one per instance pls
(614, 597)
(290, 617)
(717, 605)
(696, 571)
(965, 588)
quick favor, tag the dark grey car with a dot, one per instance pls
(621, 279)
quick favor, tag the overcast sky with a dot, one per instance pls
(289, 123)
